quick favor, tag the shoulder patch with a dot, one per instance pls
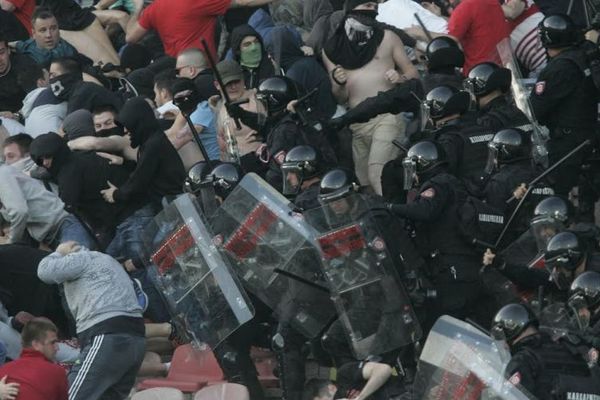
(515, 379)
(592, 356)
(428, 194)
(279, 157)
(540, 87)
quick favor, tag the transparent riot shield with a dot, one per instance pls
(540, 133)
(194, 277)
(273, 251)
(373, 305)
(460, 362)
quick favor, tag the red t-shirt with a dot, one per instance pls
(182, 23)
(39, 379)
(23, 11)
(479, 25)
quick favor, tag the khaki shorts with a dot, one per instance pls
(372, 147)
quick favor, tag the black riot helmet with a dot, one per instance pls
(550, 216)
(422, 161)
(336, 184)
(486, 77)
(587, 285)
(275, 93)
(196, 176)
(559, 30)
(300, 163)
(224, 178)
(564, 250)
(511, 321)
(508, 146)
(444, 101)
(584, 294)
(443, 53)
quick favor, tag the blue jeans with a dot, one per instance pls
(71, 229)
(128, 244)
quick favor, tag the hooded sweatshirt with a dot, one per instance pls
(159, 170)
(252, 76)
(97, 289)
(80, 177)
(27, 206)
(306, 71)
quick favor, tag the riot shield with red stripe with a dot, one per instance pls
(195, 278)
(373, 305)
(459, 361)
(274, 252)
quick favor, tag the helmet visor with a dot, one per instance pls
(425, 112)
(544, 229)
(409, 167)
(262, 109)
(292, 178)
(492, 160)
(580, 311)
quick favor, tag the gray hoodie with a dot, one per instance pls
(43, 118)
(26, 205)
(96, 286)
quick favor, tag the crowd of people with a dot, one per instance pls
(444, 154)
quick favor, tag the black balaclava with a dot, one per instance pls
(137, 116)
(62, 86)
(50, 145)
(77, 124)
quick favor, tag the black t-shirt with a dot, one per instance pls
(11, 93)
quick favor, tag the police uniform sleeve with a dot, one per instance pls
(428, 205)
(453, 146)
(522, 370)
(554, 84)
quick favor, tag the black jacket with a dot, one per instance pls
(88, 95)
(159, 170)
(80, 177)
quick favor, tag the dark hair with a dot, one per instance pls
(3, 39)
(22, 140)
(28, 75)
(315, 387)
(104, 108)
(69, 65)
(36, 329)
(165, 80)
(41, 13)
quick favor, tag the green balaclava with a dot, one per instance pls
(251, 56)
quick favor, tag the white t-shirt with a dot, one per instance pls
(401, 14)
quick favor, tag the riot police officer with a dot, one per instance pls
(567, 257)
(489, 84)
(452, 262)
(283, 131)
(584, 301)
(565, 98)
(444, 62)
(508, 167)
(302, 172)
(546, 369)
(464, 143)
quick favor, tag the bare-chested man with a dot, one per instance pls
(363, 59)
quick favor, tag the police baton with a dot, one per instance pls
(302, 280)
(213, 66)
(553, 167)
